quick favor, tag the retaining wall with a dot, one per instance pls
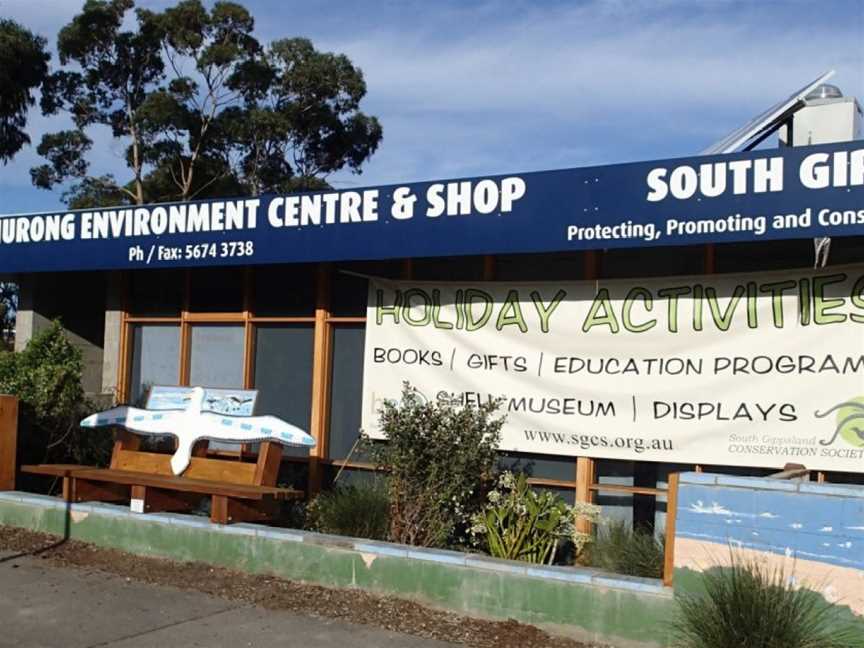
(582, 603)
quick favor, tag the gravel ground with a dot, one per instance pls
(355, 606)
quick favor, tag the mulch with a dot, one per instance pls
(351, 605)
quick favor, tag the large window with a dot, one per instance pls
(216, 355)
(155, 357)
(226, 327)
(296, 333)
(346, 399)
(283, 374)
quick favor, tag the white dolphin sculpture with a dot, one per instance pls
(192, 425)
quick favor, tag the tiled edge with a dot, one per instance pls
(276, 533)
(837, 490)
(438, 556)
(381, 548)
(632, 583)
(763, 483)
(697, 478)
(566, 574)
(240, 528)
(181, 520)
(758, 483)
(103, 508)
(328, 540)
(574, 575)
(43, 501)
(494, 564)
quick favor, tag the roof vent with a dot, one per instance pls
(825, 91)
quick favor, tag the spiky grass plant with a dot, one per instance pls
(749, 604)
(360, 510)
(623, 549)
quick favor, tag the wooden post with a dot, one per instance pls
(671, 514)
(586, 466)
(267, 466)
(321, 362)
(709, 259)
(8, 441)
(488, 267)
(584, 480)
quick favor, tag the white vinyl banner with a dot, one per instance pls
(748, 370)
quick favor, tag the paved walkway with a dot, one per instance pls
(44, 606)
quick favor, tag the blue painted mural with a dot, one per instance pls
(814, 531)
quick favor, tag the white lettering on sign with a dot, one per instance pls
(324, 209)
(483, 197)
(760, 175)
(711, 180)
(842, 169)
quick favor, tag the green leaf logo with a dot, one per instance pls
(849, 422)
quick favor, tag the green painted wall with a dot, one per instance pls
(605, 608)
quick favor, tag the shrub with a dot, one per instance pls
(518, 523)
(359, 511)
(627, 550)
(438, 458)
(751, 605)
(46, 377)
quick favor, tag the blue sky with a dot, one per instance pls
(479, 88)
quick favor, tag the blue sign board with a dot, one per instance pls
(788, 193)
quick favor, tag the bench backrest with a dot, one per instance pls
(238, 402)
(235, 402)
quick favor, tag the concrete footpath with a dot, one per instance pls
(42, 605)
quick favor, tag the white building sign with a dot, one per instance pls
(749, 370)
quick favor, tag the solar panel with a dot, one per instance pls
(768, 121)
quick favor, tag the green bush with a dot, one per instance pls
(359, 511)
(439, 459)
(623, 549)
(46, 377)
(519, 523)
(750, 605)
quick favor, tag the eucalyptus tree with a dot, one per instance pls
(23, 67)
(106, 76)
(201, 106)
(300, 119)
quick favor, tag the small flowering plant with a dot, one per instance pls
(519, 523)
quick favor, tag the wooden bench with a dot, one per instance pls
(239, 490)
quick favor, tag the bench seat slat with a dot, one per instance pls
(185, 484)
(53, 470)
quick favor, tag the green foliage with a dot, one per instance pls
(359, 511)
(46, 377)
(750, 605)
(439, 459)
(623, 549)
(8, 313)
(93, 191)
(23, 67)
(519, 523)
(301, 117)
(65, 154)
(106, 76)
(206, 110)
